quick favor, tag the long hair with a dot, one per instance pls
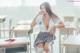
(49, 10)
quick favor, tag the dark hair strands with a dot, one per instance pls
(49, 10)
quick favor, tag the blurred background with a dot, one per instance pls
(16, 10)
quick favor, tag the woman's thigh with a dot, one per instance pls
(40, 45)
(46, 46)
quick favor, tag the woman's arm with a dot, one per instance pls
(33, 22)
(60, 25)
(53, 29)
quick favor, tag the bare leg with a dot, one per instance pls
(40, 48)
(47, 47)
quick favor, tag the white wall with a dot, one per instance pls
(77, 11)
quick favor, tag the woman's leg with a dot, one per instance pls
(47, 47)
(40, 48)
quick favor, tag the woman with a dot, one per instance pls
(47, 22)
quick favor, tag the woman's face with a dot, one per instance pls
(43, 9)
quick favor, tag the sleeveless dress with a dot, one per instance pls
(44, 36)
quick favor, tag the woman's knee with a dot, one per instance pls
(46, 48)
(40, 48)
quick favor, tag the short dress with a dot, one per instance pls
(44, 36)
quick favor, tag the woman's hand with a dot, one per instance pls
(52, 30)
(40, 13)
